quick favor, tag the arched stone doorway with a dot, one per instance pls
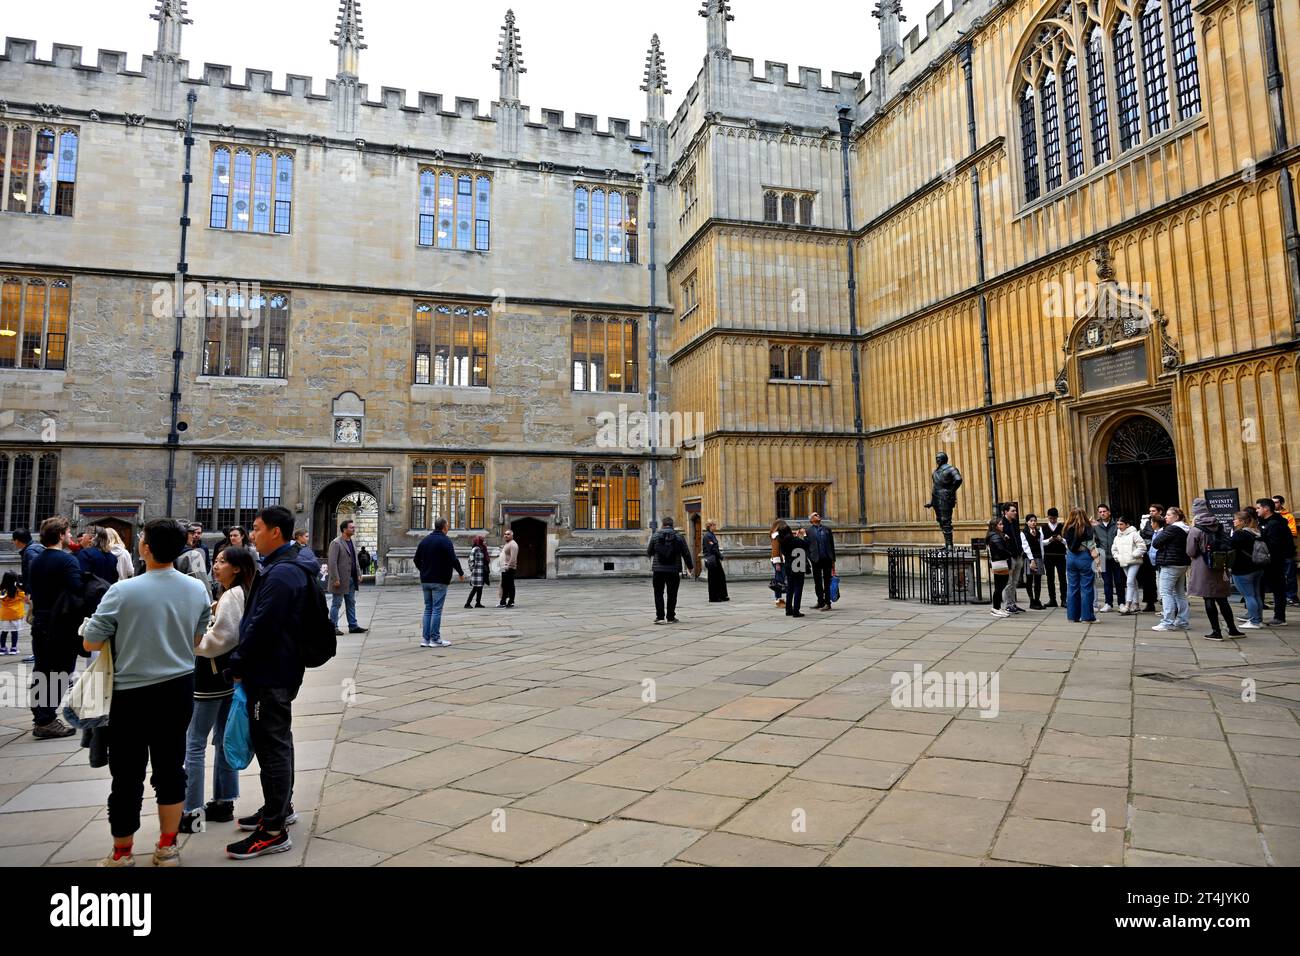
(530, 535)
(342, 499)
(1141, 467)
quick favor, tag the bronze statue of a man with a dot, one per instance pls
(943, 495)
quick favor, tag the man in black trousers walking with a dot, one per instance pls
(667, 550)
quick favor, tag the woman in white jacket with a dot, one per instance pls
(125, 566)
(235, 568)
(1129, 552)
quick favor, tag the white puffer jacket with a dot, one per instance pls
(1129, 548)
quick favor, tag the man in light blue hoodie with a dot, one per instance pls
(153, 621)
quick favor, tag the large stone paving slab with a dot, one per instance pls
(576, 734)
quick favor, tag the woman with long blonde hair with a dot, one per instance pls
(117, 548)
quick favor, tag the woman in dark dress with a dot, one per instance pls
(713, 564)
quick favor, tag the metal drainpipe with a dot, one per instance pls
(1275, 82)
(182, 269)
(846, 128)
(653, 167)
(989, 434)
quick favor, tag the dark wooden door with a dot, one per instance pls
(530, 535)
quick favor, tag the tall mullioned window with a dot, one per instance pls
(1186, 77)
(448, 488)
(1153, 68)
(1109, 70)
(605, 353)
(29, 484)
(1051, 132)
(1100, 118)
(455, 209)
(1126, 89)
(794, 363)
(606, 497)
(1029, 143)
(38, 169)
(252, 190)
(34, 314)
(605, 227)
(230, 490)
(245, 336)
(451, 344)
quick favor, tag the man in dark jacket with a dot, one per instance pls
(52, 573)
(1054, 555)
(821, 552)
(268, 662)
(1011, 531)
(27, 549)
(667, 551)
(1281, 549)
(435, 559)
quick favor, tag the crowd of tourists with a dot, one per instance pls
(1163, 556)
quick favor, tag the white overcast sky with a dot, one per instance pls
(581, 55)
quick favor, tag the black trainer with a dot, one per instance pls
(259, 843)
(219, 811)
(254, 822)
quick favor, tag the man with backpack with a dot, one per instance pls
(285, 626)
(667, 551)
(53, 573)
(1209, 545)
(1281, 549)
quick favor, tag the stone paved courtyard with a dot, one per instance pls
(769, 741)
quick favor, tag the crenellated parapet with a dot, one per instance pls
(386, 117)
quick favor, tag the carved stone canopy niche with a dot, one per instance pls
(1119, 340)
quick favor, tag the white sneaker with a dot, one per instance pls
(1164, 627)
(1247, 626)
(1105, 608)
(440, 643)
(426, 643)
(998, 612)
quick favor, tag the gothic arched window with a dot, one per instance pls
(769, 206)
(805, 210)
(787, 208)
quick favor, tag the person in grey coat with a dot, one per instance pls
(1202, 580)
(668, 552)
(1113, 579)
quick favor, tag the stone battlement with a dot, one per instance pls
(22, 52)
(948, 23)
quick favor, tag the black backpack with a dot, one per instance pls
(317, 642)
(73, 607)
(1218, 548)
(666, 547)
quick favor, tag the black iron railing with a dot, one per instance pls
(938, 575)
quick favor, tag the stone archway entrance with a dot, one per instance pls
(530, 535)
(345, 498)
(1141, 467)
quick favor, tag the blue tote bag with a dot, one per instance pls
(238, 742)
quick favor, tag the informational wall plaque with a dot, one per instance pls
(1126, 366)
(1223, 503)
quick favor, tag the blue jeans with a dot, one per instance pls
(435, 595)
(1081, 592)
(1247, 586)
(209, 720)
(1172, 583)
(350, 598)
